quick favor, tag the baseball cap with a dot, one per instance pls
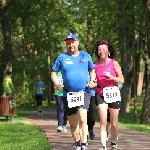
(71, 36)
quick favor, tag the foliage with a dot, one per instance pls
(39, 27)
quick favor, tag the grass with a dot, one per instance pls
(128, 120)
(19, 136)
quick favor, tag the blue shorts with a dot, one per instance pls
(73, 110)
(39, 99)
(114, 105)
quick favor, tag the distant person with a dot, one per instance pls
(61, 113)
(7, 84)
(39, 87)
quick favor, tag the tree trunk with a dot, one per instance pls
(6, 30)
(126, 36)
(145, 116)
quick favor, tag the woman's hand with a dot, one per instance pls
(92, 84)
(107, 74)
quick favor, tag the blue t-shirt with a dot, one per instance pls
(75, 71)
(39, 85)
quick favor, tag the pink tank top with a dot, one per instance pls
(102, 80)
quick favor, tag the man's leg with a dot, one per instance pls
(82, 113)
(74, 126)
(73, 121)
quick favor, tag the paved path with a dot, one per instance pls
(128, 139)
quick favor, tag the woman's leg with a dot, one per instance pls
(102, 110)
(114, 123)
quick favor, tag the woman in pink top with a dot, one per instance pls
(108, 74)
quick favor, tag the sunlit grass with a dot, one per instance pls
(19, 136)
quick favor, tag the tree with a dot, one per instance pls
(145, 116)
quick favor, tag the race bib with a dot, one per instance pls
(111, 94)
(39, 90)
(77, 98)
(60, 80)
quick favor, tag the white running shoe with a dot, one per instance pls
(103, 148)
(83, 147)
(78, 147)
(38, 113)
(113, 146)
(64, 128)
(41, 113)
(60, 129)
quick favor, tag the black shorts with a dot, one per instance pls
(39, 99)
(73, 110)
(114, 105)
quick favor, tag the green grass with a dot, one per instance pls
(128, 120)
(19, 136)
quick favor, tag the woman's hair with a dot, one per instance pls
(110, 48)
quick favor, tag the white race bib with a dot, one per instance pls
(39, 90)
(60, 80)
(77, 98)
(111, 94)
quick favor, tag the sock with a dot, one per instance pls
(104, 146)
(77, 143)
(83, 144)
(113, 143)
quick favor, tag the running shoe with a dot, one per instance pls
(103, 148)
(113, 146)
(38, 113)
(83, 147)
(92, 135)
(64, 129)
(78, 147)
(60, 129)
(41, 113)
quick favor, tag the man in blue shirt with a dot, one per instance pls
(75, 66)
